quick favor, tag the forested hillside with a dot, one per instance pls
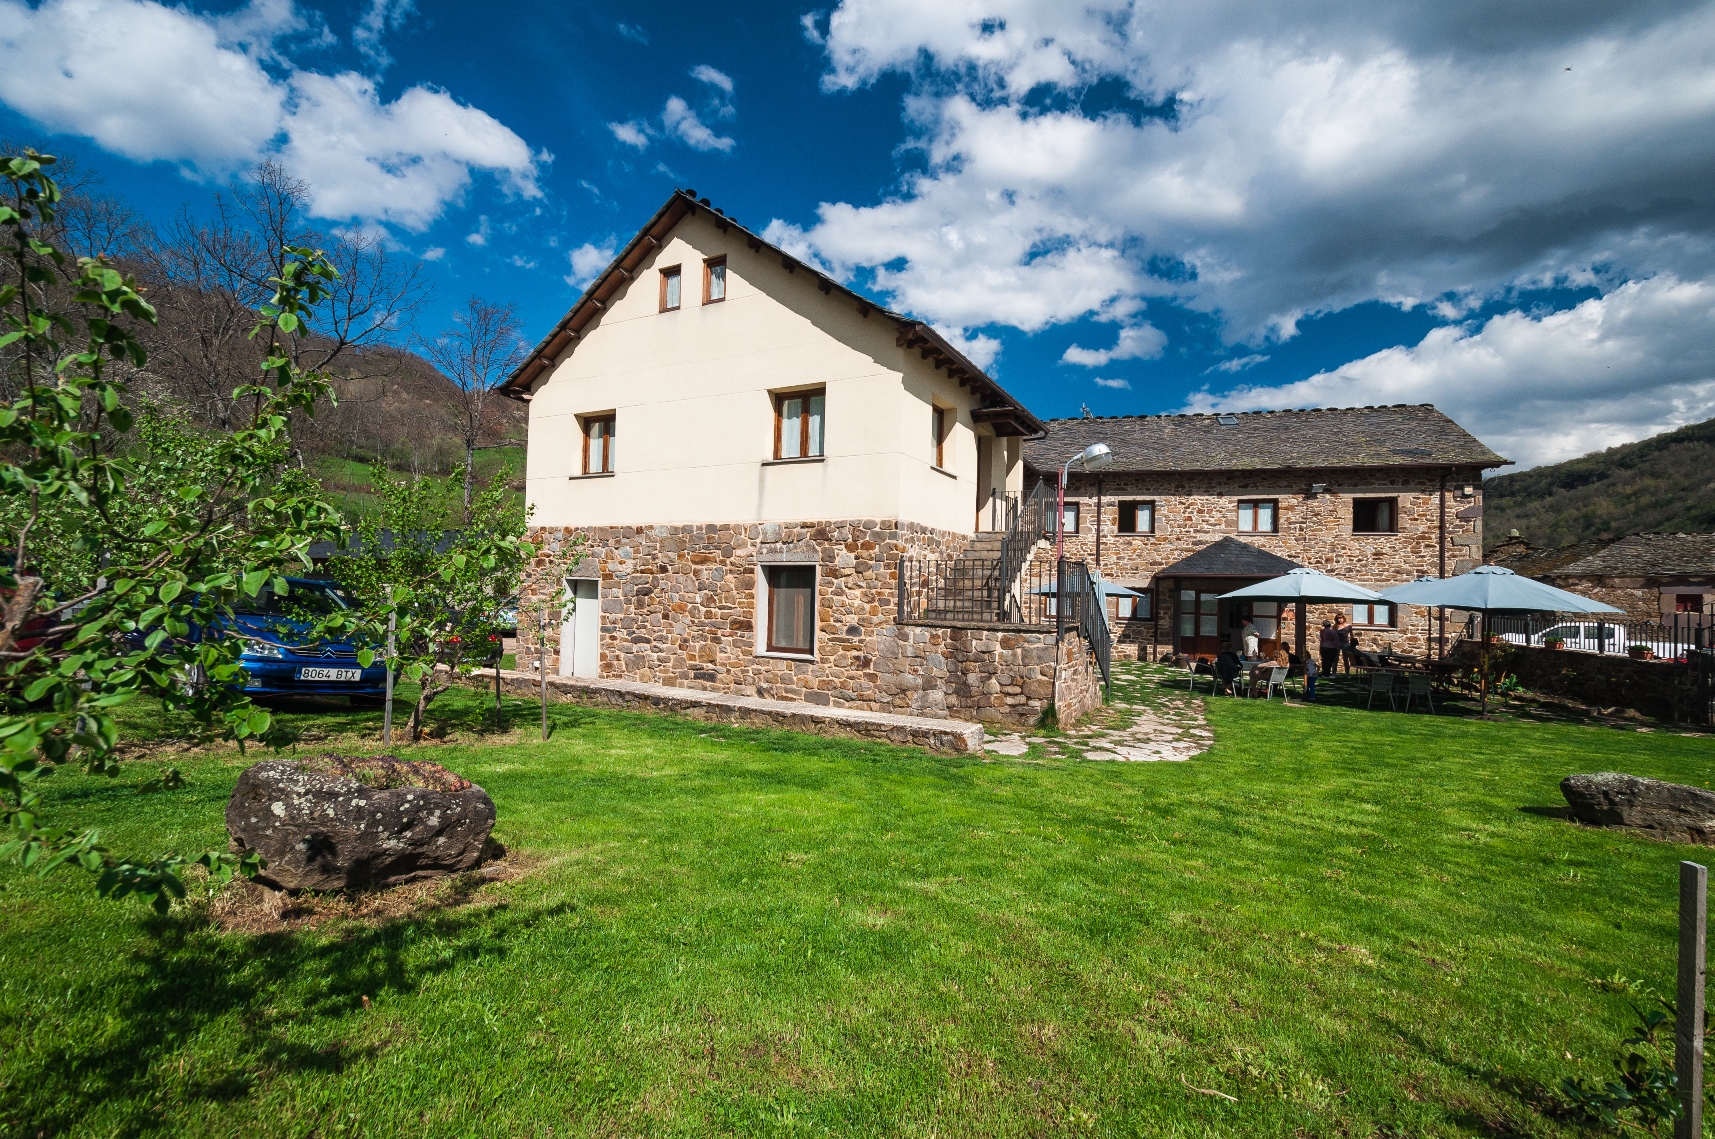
(415, 400)
(1664, 483)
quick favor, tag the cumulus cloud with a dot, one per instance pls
(1123, 385)
(634, 133)
(712, 76)
(1238, 364)
(1539, 387)
(1265, 164)
(589, 260)
(153, 82)
(1136, 342)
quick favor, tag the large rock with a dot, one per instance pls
(323, 830)
(1667, 810)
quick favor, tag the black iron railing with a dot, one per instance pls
(1027, 523)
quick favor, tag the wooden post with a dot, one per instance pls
(1688, 1018)
(387, 715)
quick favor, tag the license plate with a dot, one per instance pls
(330, 674)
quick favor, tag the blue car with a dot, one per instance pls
(280, 659)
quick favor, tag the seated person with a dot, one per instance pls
(1227, 668)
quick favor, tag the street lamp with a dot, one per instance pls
(1091, 458)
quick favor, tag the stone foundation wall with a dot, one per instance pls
(679, 607)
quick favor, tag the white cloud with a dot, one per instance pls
(1268, 163)
(634, 133)
(1123, 385)
(1136, 342)
(479, 236)
(979, 350)
(381, 17)
(589, 260)
(152, 82)
(683, 122)
(1540, 387)
(1238, 364)
(633, 33)
(714, 78)
(434, 253)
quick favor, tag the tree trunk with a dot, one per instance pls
(469, 474)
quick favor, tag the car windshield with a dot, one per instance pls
(306, 599)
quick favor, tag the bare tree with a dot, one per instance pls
(481, 349)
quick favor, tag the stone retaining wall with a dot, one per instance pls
(1600, 680)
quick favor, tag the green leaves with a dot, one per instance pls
(145, 530)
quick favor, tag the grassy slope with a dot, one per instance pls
(348, 482)
(1663, 483)
(1349, 921)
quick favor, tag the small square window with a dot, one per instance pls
(1137, 518)
(791, 608)
(798, 424)
(1133, 608)
(938, 431)
(1069, 518)
(714, 280)
(1688, 603)
(670, 289)
(598, 444)
(1257, 517)
(1374, 615)
(1375, 515)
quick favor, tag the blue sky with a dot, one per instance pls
(1127, 206)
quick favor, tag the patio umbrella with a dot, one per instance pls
(1492, 589)
(1104, 588)
(1303, 586)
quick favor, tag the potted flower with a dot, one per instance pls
(1640, 652)
(1555, 642)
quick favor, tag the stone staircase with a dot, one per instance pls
(970, 588)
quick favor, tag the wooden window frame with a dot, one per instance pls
(1274, 514)
(768, 616)
(938, 428)
(1130, 505)
(709, 280)
(805, 394)
(672, 271)
(1393, 513)
(589, 421)
(1392, 621)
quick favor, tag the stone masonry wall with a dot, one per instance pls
(1193, 510)
(679, 608)
(679, 604)
(1077, 682)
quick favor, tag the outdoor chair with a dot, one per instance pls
(1272, 679)
(1196, 668)
(1380, 681)
(1417, 684)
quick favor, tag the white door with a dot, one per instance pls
(580, 631)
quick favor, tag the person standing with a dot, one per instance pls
(1252, 640)
(1343, 637)
(1310, 675)
(1328, 644)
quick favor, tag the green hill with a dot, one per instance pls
(1664, 483)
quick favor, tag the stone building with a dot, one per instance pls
(1195, 506)
(787, 491)
(1653, 577)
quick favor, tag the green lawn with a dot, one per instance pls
(1353, 923)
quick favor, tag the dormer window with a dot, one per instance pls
(714, 280)
(670, 289)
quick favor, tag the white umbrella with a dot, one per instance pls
(1492, 589)
(1304, 586)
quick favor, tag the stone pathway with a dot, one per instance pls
(1144, 722)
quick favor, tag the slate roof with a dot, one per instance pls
(1229, 557)
(1524, 559)
(1400, 435)
(1648, 555)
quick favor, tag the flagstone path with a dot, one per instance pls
(1143, 722)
